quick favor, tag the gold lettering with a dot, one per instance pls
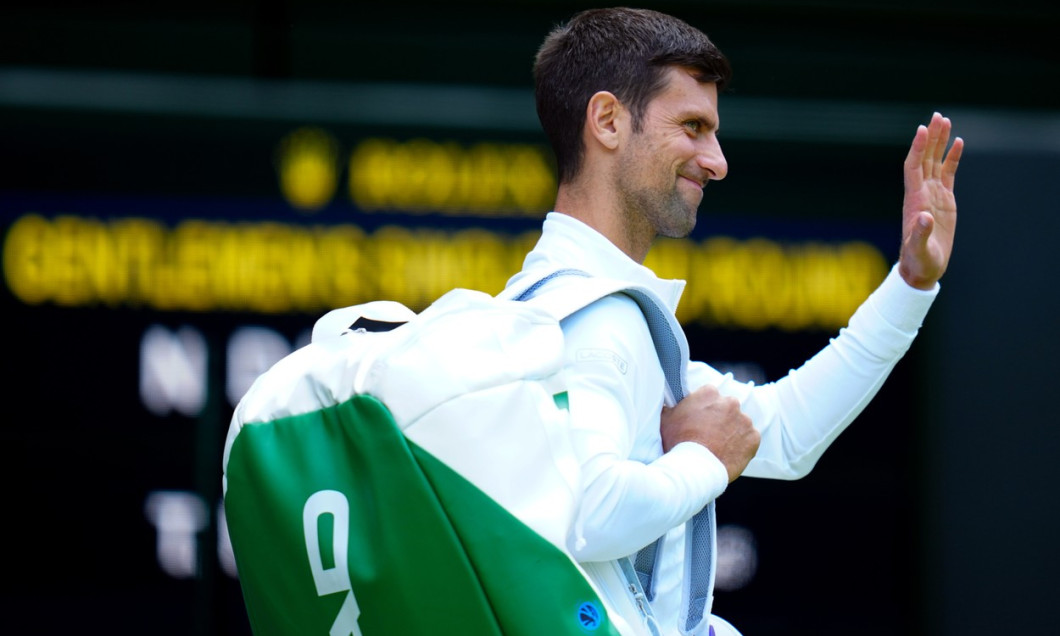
(531, 184)
(25, 259)
(422, 176)
(276, 268)
(347, 275)
(371, 176)
(138, 245)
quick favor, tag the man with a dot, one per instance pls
(629, 101)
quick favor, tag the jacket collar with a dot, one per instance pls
(567, 242)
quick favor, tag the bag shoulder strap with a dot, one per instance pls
(580, 290)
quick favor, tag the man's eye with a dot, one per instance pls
(693, 125)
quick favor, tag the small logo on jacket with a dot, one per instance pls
(602, 355)
(589, 616)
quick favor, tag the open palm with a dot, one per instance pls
(929, 209)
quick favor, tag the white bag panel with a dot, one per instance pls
(463, 343)
(325, 371)
(304, 381)
(512, 443)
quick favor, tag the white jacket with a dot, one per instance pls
(633, 493)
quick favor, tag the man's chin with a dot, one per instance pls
(679, 231)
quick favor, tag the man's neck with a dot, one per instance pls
(596, 208)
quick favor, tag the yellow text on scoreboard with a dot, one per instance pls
(271, 267)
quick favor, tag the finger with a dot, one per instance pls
(931, 149)
(940, 149)
(949, 166)
(915, 158)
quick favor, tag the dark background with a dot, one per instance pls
(934, 514)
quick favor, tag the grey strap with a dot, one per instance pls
(701, 529)
(700, 549)
(532, 290)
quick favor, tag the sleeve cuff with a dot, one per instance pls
(700, 461)
(900, 304)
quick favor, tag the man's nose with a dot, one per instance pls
(712, 159)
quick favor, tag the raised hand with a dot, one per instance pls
(929, 210)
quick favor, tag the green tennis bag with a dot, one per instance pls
(411, 474)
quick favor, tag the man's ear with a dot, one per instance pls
(605, 119)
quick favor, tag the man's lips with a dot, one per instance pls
(698, 183)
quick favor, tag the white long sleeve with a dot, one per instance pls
(800, 415)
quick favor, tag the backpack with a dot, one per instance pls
(412, 474)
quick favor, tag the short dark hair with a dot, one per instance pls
(621, 50)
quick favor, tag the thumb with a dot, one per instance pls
(918, 236)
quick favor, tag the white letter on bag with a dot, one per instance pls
(337, 577)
